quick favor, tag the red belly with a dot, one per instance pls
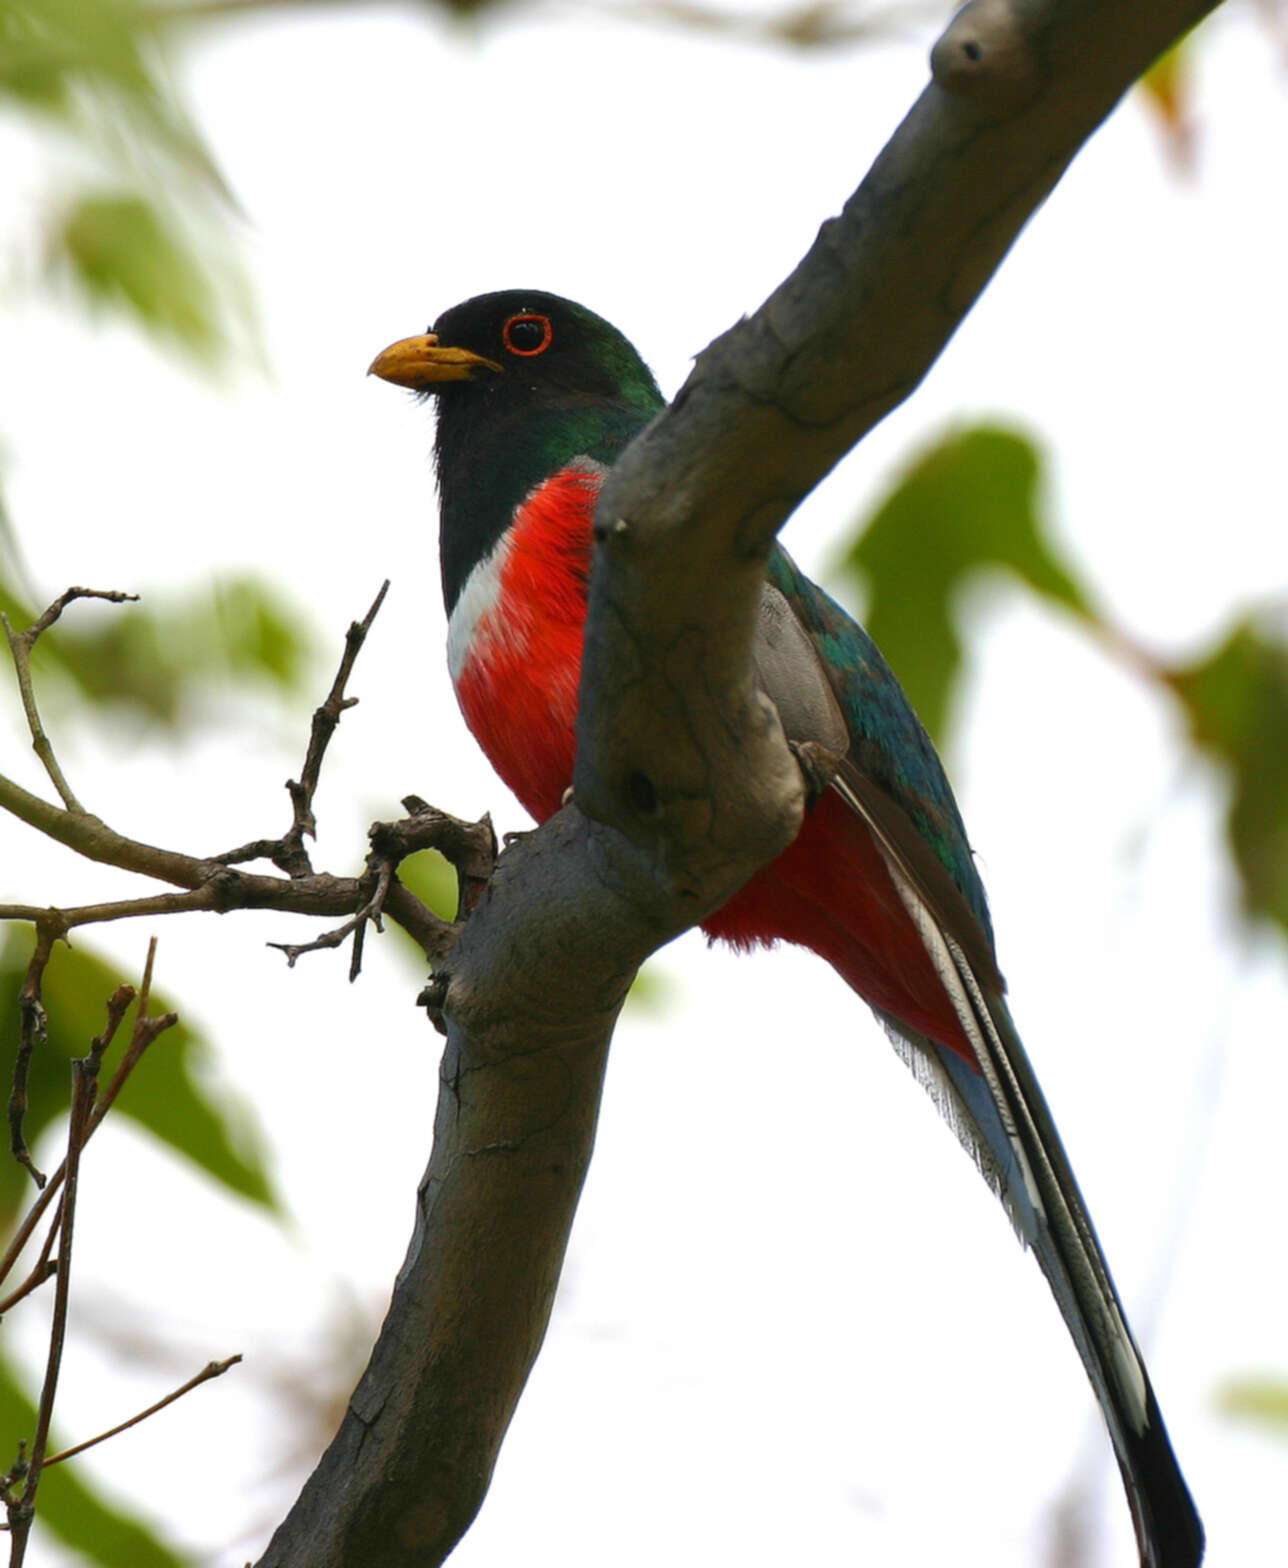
(828, 891)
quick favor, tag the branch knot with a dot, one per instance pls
(985, 57)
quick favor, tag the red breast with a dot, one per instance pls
(515, 638)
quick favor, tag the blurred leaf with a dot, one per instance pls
(1261, 1400)
(167, 1093)
(969, 502)
(46, 44)
(85, 59)
(92, 70)
(1168, 87)
(1236, 702)
(259, 633)
(652, 991)
(120, 251)
(68, 1506)
(432, 880)
(164, 661)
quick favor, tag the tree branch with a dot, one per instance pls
(683, 782)
(212, 883)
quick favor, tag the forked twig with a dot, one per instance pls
(145, 1031)
(45, 1269)
(356, 926)
(469, 846)
(20, 646)
(288, 852)
(216, 882)
(23, 1509)
(31, 1032)
(18, 1489)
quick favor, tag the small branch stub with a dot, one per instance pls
(985, 56)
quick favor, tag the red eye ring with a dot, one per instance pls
(526, 320)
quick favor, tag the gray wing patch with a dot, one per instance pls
(790, 673)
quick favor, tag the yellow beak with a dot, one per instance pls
(423, 362)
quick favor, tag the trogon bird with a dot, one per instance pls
(536, 398)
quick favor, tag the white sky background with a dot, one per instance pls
(794, 1327)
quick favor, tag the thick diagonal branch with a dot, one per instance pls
(683, 784)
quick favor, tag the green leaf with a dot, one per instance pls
(1260, 1400)
(1236, 702)
(48, 46)
(69, 1507)
(121, 251)
(89, 60)
(167, 1093)
(95, 69)
(968, 503)
(432, 880)
(259, 634)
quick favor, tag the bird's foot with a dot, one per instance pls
(818, 767)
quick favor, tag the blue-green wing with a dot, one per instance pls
(888, 744)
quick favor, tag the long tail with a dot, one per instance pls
(1001, 1116)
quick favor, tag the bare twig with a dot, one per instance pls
(212, 1369)
(17, 1473)
(32, 1031)
(85, 1117)
(21, 1512)
(216, 883)
(145, 990)
(208, 897)
(288, 852)
(355, 926)
(20, 646)
(46, 1250)
(34, 1215)
(469, 846)
(145, 1031)
(44, 1269)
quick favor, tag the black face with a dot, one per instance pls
(565, 384)
(544, 342)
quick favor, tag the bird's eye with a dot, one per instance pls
(527, 334)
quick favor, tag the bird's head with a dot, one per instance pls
(521, 346)
(523, 383)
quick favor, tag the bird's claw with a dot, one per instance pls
(818, 767)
